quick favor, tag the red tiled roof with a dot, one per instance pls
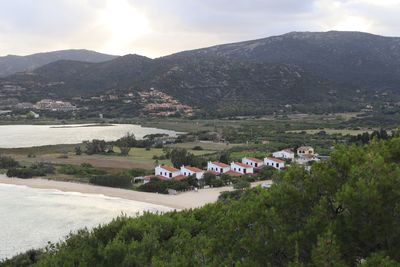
(254, 159)
(169, 168)
(213, 172)
(242, 165)
(179, 177)
(155, 176)
(193, 169)
(220, 164)
(233, 173)
(276, 160)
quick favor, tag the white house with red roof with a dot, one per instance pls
(217, 167)
(167, 172)
(274, 162)
(187, 171)
(284, 154)
(241, 168)
(253, 162)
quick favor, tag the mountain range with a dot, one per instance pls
(306, 71)
(12, 64)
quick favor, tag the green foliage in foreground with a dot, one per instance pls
(344, 213)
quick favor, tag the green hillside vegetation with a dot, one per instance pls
(295, 72)
(344, 213)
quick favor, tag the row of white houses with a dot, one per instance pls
(246, 167)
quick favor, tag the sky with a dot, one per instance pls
(155, 28)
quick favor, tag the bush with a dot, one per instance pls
(158, 186)
(8, 162)
(266, 173)
(112, 181)
(85, 170)
(209, 178)
(38, 169)
(198, 148)
(217, 183)
(234, 195)
(241, 184)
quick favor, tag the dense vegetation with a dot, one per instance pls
(7, 162)
(84, 170)
(112, 181)
(35, 170)
(345, 212)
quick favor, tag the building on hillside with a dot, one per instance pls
(187, 171)
(305, 150)
(241, 168)
(284, 154)
(217, 167)
(167, 172)
(253, 162)
(274, 162)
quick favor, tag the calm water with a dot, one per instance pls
(12, 136)
(29, 217)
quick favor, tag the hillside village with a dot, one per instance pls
(151, 103)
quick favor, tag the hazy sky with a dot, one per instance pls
(159, 27)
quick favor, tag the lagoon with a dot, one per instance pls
(15, 136)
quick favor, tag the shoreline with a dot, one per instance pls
(185, 200)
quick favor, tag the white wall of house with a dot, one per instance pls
(305, 160)
(187, 172)
(241, 169)
(159, 170)
(254, 164)
(215, 168)
(283, 154)
(273, 163)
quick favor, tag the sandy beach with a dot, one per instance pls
(184, 200)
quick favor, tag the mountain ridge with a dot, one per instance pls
(12, 64)
(331, 71)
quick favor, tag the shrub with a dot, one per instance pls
(158, 186)
(241, 184)
(38, 169)
(112, 181)
(217, 183)
(84, 170)
(198, 148)
(8, 162)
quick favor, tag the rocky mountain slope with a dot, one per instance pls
(333, 71)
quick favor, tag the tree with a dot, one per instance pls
(78, 150)
(95, 146)
(180, 157)
(126, 143)
(326, 253)
(379, 259)
(209, 178)
(241, 184)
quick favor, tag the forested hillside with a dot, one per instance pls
(295, 72)
(345, 212)
(357, 58)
